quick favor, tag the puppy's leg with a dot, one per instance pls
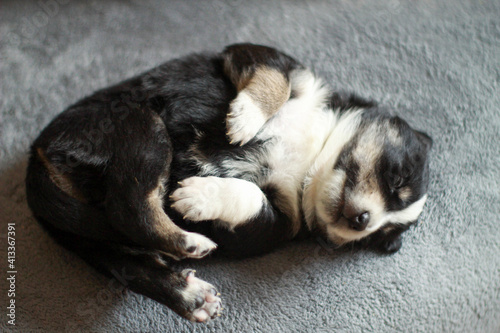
(260, 75)
(147, 272)
(230, 200)
(122, 176)
(135, 190)
(106, 206)
(136, 210)
(250, 221)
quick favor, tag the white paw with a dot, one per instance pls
(201, 297)
(197, 246)
(244, 120)
(229, 200)
(197, 198)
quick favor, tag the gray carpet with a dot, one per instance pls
(436, 62)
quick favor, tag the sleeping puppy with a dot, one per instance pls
(245, 149)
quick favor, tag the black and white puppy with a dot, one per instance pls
(246, 147)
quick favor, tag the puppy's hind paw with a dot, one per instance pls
(197, 246)
(245, 119)
(201, 299)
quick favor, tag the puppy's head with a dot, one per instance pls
(377, 186)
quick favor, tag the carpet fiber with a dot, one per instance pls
(436, 62)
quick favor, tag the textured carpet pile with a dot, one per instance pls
(436, 62)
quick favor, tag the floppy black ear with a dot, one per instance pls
(424, 138)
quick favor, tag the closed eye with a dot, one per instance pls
(398, 182)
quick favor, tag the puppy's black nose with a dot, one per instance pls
(360, 222)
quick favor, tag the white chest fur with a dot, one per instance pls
(297, 132)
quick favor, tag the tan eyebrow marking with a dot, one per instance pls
(404, 193)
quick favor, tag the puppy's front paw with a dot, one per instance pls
(244, 120)
(197, 246)
(201, 299)
(197, 199)
(392, 245)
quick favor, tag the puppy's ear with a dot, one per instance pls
(424, 139)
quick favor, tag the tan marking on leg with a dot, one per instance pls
(269, 88)
(258, 99)
(62, 181)
(161, 222)
(177, 241)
